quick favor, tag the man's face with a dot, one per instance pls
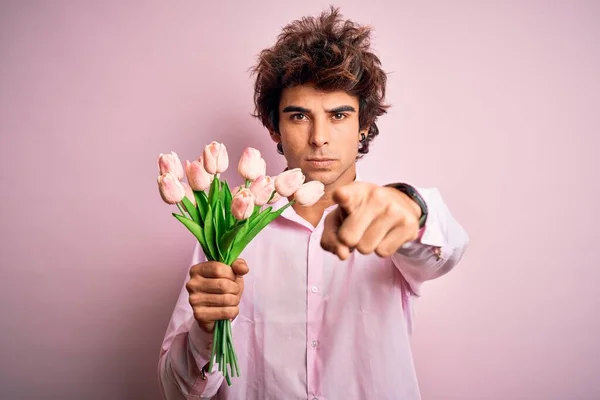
(320, 133)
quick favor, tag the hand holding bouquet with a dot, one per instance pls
(223, 220)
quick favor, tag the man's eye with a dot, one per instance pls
(339, 116)
(298, 117)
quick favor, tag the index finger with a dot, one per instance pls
(330, 240)
(345, 198)
(351, 196)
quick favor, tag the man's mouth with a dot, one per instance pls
(320, 162)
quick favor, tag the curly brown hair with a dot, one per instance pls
(329, 53)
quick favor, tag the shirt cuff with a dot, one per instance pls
(431, 235)
(202, 342)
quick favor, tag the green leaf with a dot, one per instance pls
(224, 226)
(250, 223)
(228, 237)
(195, 229)
(191, 208)
(202, 202)
(213, 192)
(255, 228)
(219, 227)
(220, 190)
(257, 216)
(209, 234)
(227, 197)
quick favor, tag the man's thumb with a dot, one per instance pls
(240, 268)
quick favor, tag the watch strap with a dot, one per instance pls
(413, 193)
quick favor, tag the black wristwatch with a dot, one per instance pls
(416, 197)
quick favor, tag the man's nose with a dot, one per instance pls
(320, 134)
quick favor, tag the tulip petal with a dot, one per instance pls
(251, 164)
(170, 163)
(170, 188)
(309, 193)
(199, 179)
(242, 205)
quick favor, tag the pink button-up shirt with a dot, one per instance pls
(312, 326)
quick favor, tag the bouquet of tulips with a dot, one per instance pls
(223, 220)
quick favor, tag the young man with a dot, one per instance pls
(321, 301)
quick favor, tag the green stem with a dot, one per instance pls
(181, 209)
(224, 353)
(220, 334)
(223, 338)
(236, 367)
(214, 348)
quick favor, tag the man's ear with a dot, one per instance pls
(276, 137)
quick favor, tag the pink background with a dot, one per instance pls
(495, 104)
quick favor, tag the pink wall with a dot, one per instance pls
(496, 105)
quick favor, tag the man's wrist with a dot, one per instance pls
(416, 199)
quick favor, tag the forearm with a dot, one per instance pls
(185, 350)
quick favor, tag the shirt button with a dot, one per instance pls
(314, 343)
(314, 289)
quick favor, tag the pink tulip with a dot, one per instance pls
(197, 176)
(309, 193)
(170, 188)
(216, 159)
(262, 188)
(236, 190)
(289, 181)
(242, 204)
(170, 163)
(251, 164)
(189, 193)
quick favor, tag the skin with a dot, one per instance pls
(320, 134)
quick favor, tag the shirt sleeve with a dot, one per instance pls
(440, 246)
(185, 350)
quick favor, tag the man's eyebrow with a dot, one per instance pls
(341, 109)
(335, 110)
(296, 109)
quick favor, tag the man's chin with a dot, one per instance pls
(326, 177)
